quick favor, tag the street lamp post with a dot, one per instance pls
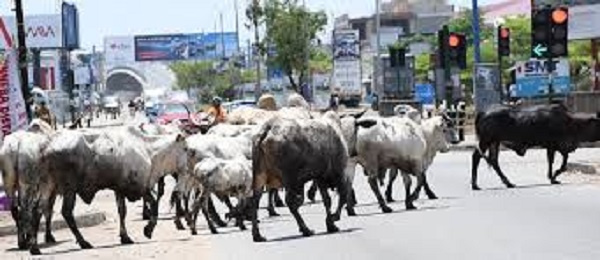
(377, 65)
(22, 52)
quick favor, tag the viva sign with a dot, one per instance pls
(42, 31)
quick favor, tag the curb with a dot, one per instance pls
(86, 220)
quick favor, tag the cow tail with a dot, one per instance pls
(257, 153)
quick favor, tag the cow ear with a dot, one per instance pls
(366, 123)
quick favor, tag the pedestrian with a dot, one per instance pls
(42, 112)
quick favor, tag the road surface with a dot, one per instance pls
(534, 221)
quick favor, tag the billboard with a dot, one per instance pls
(70, 22)
(584, 16)
(565, 2)
(43, 31)
(185, 46)
(346, 62)
(119, 50)
(487, 85)
(532, 79)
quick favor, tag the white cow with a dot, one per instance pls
(399, 143)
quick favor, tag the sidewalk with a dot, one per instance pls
(85, 216)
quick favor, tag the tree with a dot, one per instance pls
(290, 28)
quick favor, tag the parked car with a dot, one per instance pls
(169, 112)
(230, 106)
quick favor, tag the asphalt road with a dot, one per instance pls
(533, 221)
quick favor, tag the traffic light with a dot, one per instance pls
(559, 37)
(503, 41)
(457, 49)
(541, 29)
(442, 46)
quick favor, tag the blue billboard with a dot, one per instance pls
(185, 46)
(425, 94)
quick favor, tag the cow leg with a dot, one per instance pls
(212, 211)
(428, 190)
(256, 236)
(388, 192)
(550, 155)
(122, 209)
(277, 199)
(294, 198)
(192, 216)
(476, 159)
(271, 203)
(312, 192)
(14, 211)
(407, 184)
(49, 210)
(420, 183)
(373, 178)
(67, 213)
(351, 202)
(153, 204)
(240, 214)
(563, 168)
(176, 201)
(494, 152)
(33, 244)
(331, 228)
(205, 201)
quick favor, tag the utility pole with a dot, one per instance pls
(476, 40)
(377, 68)
(22, 52)
(222, 37)
(237, 26)
(307, 47)
(257, 88)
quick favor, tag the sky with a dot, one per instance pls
(100, 18)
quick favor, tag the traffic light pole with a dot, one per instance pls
(550, 79)
(500, 81)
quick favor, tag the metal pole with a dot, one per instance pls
(257, 88)
(476, 49)
(222, 36)
(596, 68)
(22, 52)
(377, 66)
(307, 48)
(237, 26)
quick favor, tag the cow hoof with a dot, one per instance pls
(307, 232)
(214, 231)
(178, 225)
(433, 197)
(259, 238)
(386, 209)
(351, 212)
(49, 238)
(85, 245)
(279, 204)
(511, 186)
(474, 187)
(411, 207)
(555, 182)
(273, 214)
(125, 240)
(332, 229)
(390, 200)
(35, 251)
(335, 217)
(22, 246)
(148, 231)
(221, 224)
(194, 233)
(243, 227)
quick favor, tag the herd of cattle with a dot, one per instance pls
(258, 151)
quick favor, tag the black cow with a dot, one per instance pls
(551, 127)
(289, 153)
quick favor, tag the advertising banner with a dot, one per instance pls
(346, 62)
(70, 17)
(487, 85)
(532, 78)
(119, 50)
(185, 46)
(43, 31)
(13, 115)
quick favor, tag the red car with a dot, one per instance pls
(169, 112)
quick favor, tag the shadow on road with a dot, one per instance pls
(420, 209)
(533, 186)
(62, 252)
(296, 237)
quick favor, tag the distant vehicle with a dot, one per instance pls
(230, 106)
(170, 112)
(111, 104)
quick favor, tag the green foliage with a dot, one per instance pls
(290, 27)
(202, 76)
(321, 61)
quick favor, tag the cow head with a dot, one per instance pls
(450, 129)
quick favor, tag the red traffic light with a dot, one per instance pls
(453, 40)
(504, 33)
(560, 15)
